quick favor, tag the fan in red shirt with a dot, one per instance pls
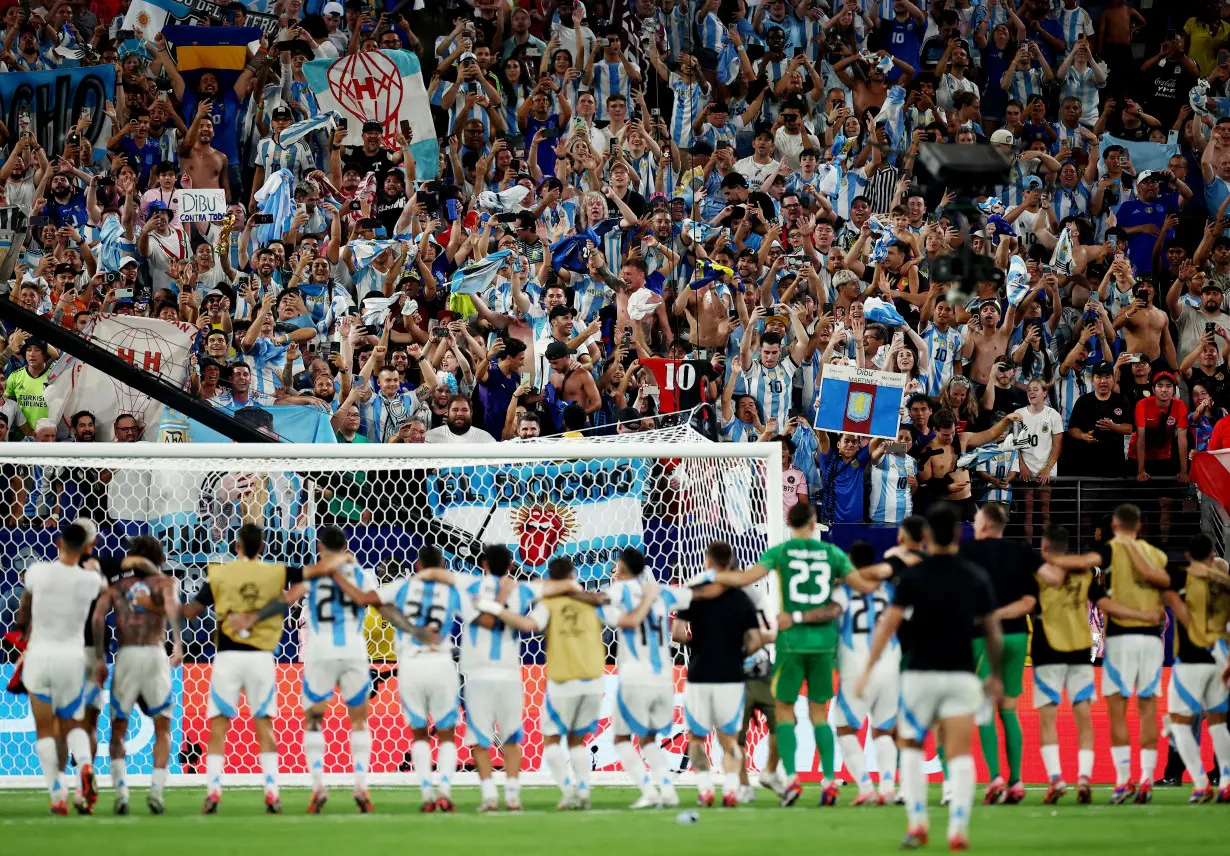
(1160, 444)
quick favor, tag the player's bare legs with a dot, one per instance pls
(958, 731)
(732, 762)
(47, 727)
(704, 770)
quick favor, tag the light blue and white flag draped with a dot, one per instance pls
(365, 252)
(276, 198)
(1198, 98)
(879, 311)
(993, 205)
(477, 277)
(379, 86)
(1018, 281)
(1061, 258)
(880, 250)
(892, 114)
(988, 452)
(1144, 155)
(146, 18)
(698, 232)
(296, 132)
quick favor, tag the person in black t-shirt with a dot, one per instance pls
(947, 598)
(1001, 396)
(1137, 381)
(371, 156)
(1099, 421)
(724, 630)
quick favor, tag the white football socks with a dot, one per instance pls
(580, 765)
(446, 765)
(213, 775)
(269, 770)
(852, 754)
(1084, 764)
(314, 750)
(886, 760)
(119, 777)
(1050, 760)
(634, 766)
(487, 790)
(158, 781)
(361, 755)
(914, 786)
(79, 748)
(1122, 756)
(420, 756)
(659, 768)
(556, 759)
(1148, 763)
(1221, 745)
(49, 760)
(1189, 751)
(961, 773)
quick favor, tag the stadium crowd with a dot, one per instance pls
(629, 197)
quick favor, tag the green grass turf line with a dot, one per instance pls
(1169, 825)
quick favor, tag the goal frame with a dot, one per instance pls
(337, 456)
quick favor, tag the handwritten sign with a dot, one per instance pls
(202, 206)
(860, 401)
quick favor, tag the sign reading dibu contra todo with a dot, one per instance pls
(202, 206)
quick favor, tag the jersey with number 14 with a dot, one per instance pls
(644, 655)
(334, 623)
(807, 570)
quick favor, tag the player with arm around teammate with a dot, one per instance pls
(1200, 600)
(54, 607)
(146, 603)
(943, 598)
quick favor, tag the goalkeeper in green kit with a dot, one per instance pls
(807, 570)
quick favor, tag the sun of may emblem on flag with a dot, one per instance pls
(540, 528)
(858, 408)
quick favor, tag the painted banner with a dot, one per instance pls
(202, 206)
(291, 422)
(55, 100)
(149, 344)
(391, 738)
(858, 401)
(381, 86)
(146, 18)
(586, 510)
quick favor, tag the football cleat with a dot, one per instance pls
(316, 805)
(121, 806)
(512, 804)
(427, 807)
(1123, 793)
(868, 798)
(746, 794)
(1223, 796)
(445, 805)
(1144, 796)
(774, 782)
(273, 805)
(995, 791)
(210, 806)
(730, 799)
(648, 800)
(155, 804)
(958, 843)
(363, 802)
(488, 806)
(569, 799)
(830, 795)
(89, 787)
(60, 809)
(915, 838)
(1084, 792)
(1202, 795)
(1055, 792)
(791, 794)
(582, 800)
(705, 800)
(670, 797)
(81, 804)
(1014, 795)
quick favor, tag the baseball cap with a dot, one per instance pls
(156, 205)
(370, 126)
(659, 199)
(467, 56)
(1209, 285)
(1004, 137)
(281, 113)
(627, 414)
(333, 8)
(1032, 183)
(558, 350)
(1148, 175)
(1005, 362)
(1165, 375)
(734, 179)
(34, 343)
(129, 260)
(1103, 368)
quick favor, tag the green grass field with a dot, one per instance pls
(1167, 826)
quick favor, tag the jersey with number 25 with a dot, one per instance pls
(334, 622)
(807, 571)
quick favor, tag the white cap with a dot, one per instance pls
(128, 260)
(1004, 136)
(333, 8)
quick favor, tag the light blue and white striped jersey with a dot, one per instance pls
(644, 655)
(858, 621)
(689, 100)
(891, 500)
(590, 297)
(333, 623)
(1072, 386)
(476, 112)
(492, 649)
(645, 168)
(273, 157)
(1075, 201)
(610, 78)
(771, 387)
(1072, 136)
(738, 431)
(267, 361)
(1074, 23)
(713, 36)
(853, 182)
(426, 604)
(999, 467)
(943, 349)
(1025, 83)
(713, 134)
(1080, 83)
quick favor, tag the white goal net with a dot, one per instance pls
(669, 493)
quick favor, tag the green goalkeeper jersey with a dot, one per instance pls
(807, 571)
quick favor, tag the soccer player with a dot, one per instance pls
(1060, 651)
(1200, 600)
(1011, 566)
(946, 597)
(1134, 652)
(146, 603)
(723, 629)
(244, 659)
(645, 701)
(54, 607)
(859, 615)
(807, 571)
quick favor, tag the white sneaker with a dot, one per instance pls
(668, 796)
(649, 799)
(774, 782)
(746, 794)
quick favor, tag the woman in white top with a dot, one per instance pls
(1040, 435)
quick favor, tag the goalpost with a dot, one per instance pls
(668, 492)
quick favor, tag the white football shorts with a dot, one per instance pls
(879, 701)
(1196, 687)
(429, 688)
(493, 705)
(1052, 679)
(351, 676)
(141, 672)
(927, 697)
(644, 709)
(247, 672)
(571, 707)
(1132, 665)
(713, 707)
(58, 678)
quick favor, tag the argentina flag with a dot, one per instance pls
(860, 401)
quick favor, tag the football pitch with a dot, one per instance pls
(1169, 825)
